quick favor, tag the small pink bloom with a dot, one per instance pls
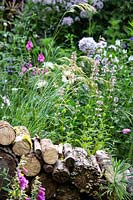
(29, 45)
(126, 130)
(43, 71)
(25, 170)
(23, 69)
(29, 65)
(41, 57)
(46, 70)
(27, 198)
(23, 182)
(34, 72)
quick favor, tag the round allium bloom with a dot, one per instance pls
(67, 21)
(41, 194)
(126, 130)
(87, 45)
(41, 57)
(83, 14)
(29, 45)
(98, 4)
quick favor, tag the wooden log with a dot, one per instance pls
(7, 134)
(22, 144)
(67, 192)
(37, 146)
(79, 153)
(95, 163)
(48, 168)
(8, 163)
(61, 173)
(104, 161)
(49, 184)
(49, 151)
(31, 164)
(60, 150)
(86, 177)
(68, 154)
(8, 160)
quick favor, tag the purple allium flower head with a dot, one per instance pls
(41, 194)
(27, 198)
(41, 57)
(126, 130)
(29, 45)
(87, 45)
(23, 182)
(98, 4)
(67, 21)
(131, 38)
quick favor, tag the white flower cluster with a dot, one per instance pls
(89, 46)
(5, 101)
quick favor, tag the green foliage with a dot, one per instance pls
(117, 189)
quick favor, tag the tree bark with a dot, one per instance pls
(61, 173)
(48, 168)
(49, 184)
(68, 154)
(104, 161)
(67, 192)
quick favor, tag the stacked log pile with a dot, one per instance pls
(67, 173)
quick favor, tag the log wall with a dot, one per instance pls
(66, 172)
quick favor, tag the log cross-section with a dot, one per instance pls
(22, 144)
(49, 151)
(7, 133)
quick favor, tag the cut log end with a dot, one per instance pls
(32, 165)
(21, 148)
(7, 134)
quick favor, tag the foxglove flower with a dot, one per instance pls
(23, 182)
(41, 194)
(126, 130)
(29, 45)
(41, 57)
